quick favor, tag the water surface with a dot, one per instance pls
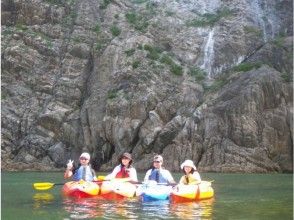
(237, 196)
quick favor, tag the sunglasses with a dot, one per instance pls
(156, 161)
(82, 158)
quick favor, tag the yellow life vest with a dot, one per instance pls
(189, 179)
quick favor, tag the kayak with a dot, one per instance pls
(154, 192)
(190, 193)
(116, 189)
(80, 189)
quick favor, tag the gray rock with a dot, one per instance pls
(126, 77)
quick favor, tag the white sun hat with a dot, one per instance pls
(85, 155)
(188, 163)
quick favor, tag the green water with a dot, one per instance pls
(237, 196)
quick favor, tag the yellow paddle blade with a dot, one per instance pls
(101, 178)
(43, 186)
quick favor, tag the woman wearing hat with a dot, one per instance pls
(158, 173)
(191, 175)
(84, 170)
(124, 169)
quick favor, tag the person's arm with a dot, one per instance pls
(182, 180)
(68, 172)
(133, 175)
(196, 177)
(169, 177)
(146, 178)
(113, 174)
(94, 175)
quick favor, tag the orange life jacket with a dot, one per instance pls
(123, 173)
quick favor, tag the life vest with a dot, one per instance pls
(188, 179)
(83, 172)
(157, 176)
(123, 173)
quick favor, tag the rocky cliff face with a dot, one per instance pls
(209, 81)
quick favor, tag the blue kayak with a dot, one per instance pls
(154, 192)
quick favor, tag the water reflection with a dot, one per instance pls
(41, 199)
(83, 208)
(193, 210)
(101, 208)
(155, 209)
(92, 208)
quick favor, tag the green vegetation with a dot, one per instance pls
(98, 46)
(97, 28)
(116, 16)
(197, 73)
(139, 22)
(76, 39)
(150, 7)
(154, 52)
(253, 30)
(140, 47)
(101, 43)
(115, 30)
(216, 85)
(4, 95)
(138, 1)
(167, 60)
(131, 17)
(54, 2)
(130, 52)
(20, 26)
(47, 41)
(169, 13)
(111, 94)
(208, 19)
(135, 64)
(224, 78)
(7, 31)
(244, 67)
(288, 77)
(176, 69)
(104, 4)
(279, 41)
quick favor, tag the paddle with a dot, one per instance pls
(45, 186)
(146, 183)
(48, 185)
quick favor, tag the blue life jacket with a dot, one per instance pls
(87, 176)
(157, 176)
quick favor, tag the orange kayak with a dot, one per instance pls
(116, 189)
(191, 193)
(80, 189)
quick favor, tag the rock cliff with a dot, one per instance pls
(209, 81)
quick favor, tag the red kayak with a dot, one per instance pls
(80, 189)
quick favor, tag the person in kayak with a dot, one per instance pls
(124, 169)
(191, 177)
(83, 171)
(158, 173)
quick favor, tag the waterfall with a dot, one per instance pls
(256, 4)
(208, 57)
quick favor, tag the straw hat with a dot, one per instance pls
(188, 163)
